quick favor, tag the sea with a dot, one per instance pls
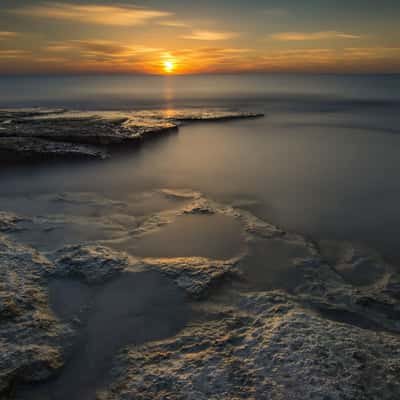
(324, 161)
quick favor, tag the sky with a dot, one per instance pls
(203, 36)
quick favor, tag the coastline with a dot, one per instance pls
(88, 309)
(245, 336)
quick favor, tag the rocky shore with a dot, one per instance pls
(56, 133)
(285, 317)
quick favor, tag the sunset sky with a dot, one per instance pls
(204, 36)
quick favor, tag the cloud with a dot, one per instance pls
(306, 36)
(100, 47)
(118, 15)
(116, 57)
(373, 52)
(58, 47)
(210, 35)
(174, 24)
(6, 34)
(104, 50)
(12, 53)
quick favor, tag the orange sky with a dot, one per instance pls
(176, 37)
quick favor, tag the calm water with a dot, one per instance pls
(324, 161)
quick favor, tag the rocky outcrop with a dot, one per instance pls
(267, 347)
(287, 318)
(32, 133)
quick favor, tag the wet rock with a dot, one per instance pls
(28, 148)
(356, 263)
(207, 115)
(260, 350)
(195, 275)
(331, 334)
(33, 363)
(335, 293)
(29, 333)
(9, 221)
(101, 127)
(92, 263)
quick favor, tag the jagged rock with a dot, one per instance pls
(266, 348)
(92, 263)
(195, 275)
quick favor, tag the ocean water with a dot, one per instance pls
(324, 161)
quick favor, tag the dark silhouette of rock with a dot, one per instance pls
(31, 148)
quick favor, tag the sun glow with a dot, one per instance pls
(169, 66)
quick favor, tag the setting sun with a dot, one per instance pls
(169, 66)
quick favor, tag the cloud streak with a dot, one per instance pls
(174, 24)
(101, 50)
(307, 36)
(118, 15)
(114, 56)
(12, 53)
(7, 35)
(210, 35)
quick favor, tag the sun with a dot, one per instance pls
(169, 66)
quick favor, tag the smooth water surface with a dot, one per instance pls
(324, 161)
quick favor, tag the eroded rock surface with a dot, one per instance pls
(286, 318)
(266, 348)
